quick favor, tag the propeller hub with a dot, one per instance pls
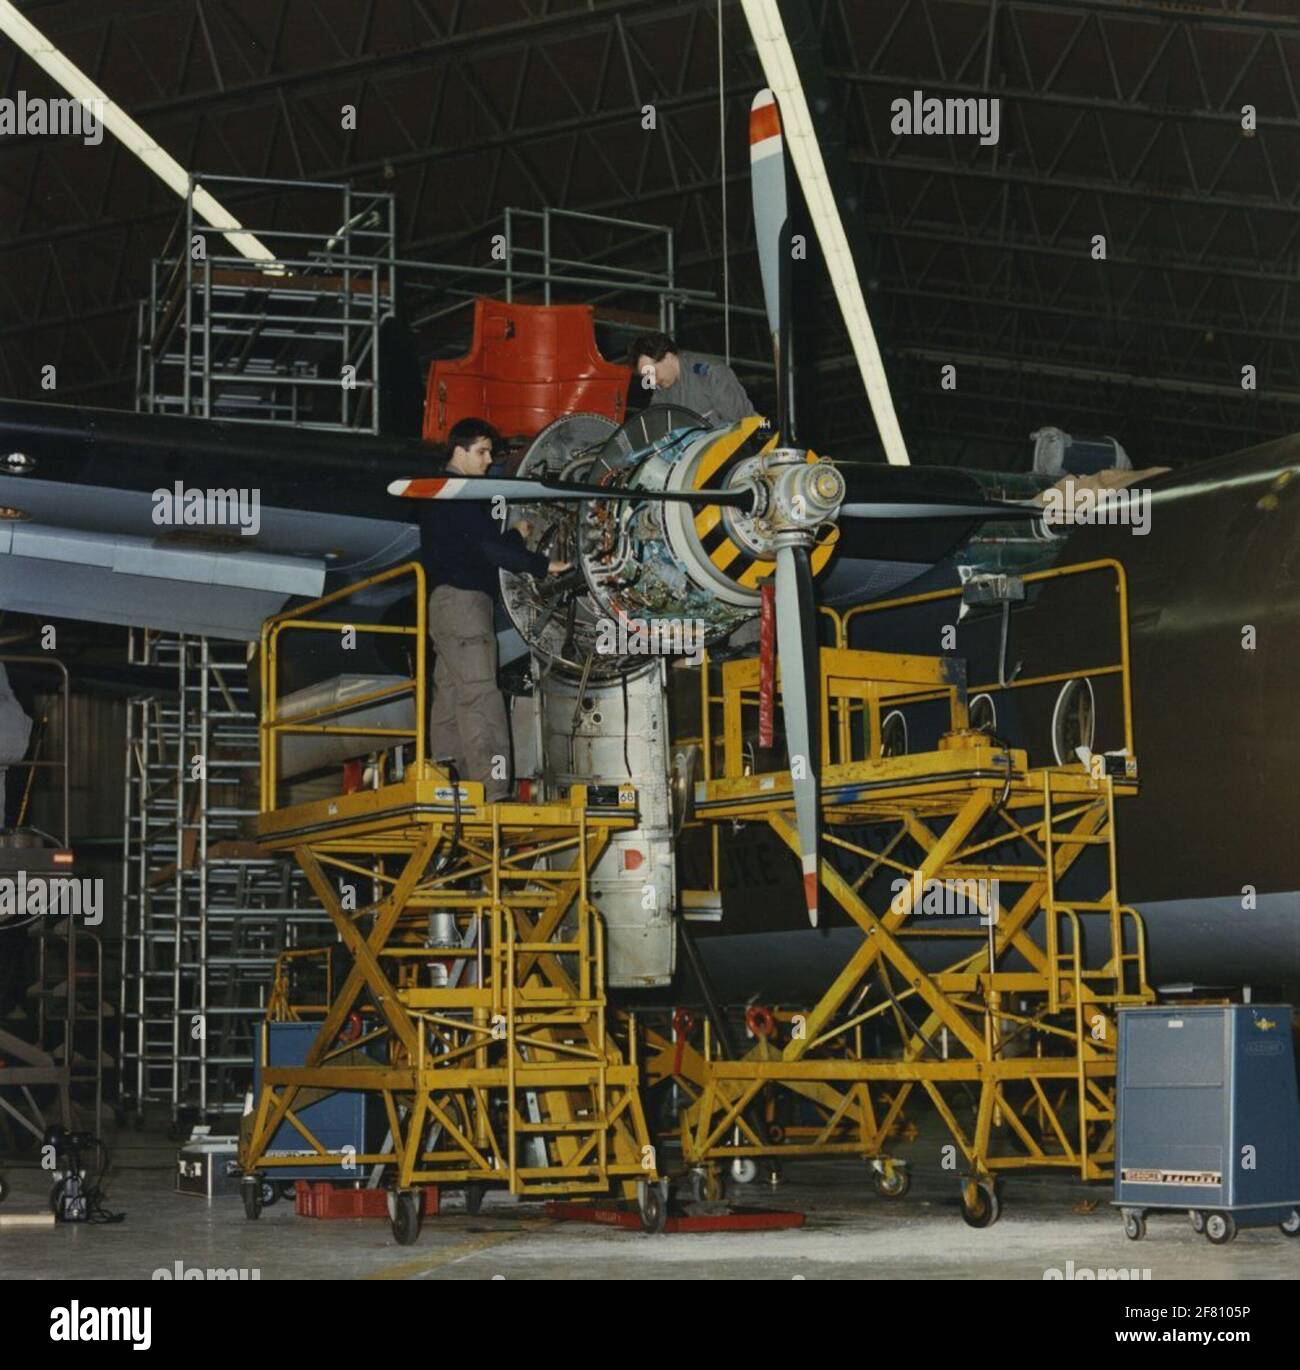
(804, 496)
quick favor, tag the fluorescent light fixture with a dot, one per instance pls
(783, 77)
(119, 123)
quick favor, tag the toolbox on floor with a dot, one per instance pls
(208, 1166)
(1208, 1118)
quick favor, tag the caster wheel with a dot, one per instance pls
(979, 1203)
(713, 1188)
(1197, 1219)
(707, 1186)
(474, 1198)
(744, 1170)
(1220, 1228)
(1291, 1225)
(653, 1203)
(407, 1216)
(1135, 1226)
(891, 1184)
(270, 1193)
(4, 1190)
(56, 1196)
(288, 1189)
(250, 1190)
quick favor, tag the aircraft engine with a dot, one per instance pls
(653, 575)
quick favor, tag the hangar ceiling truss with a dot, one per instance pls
(1119, 118)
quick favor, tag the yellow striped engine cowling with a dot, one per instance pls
(710, 535)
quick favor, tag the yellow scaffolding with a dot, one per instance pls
(471, 994)
(1007, 1026)
(473, 999)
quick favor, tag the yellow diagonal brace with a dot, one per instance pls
(880, 941)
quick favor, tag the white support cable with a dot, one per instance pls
(130, 134)
(782, 75)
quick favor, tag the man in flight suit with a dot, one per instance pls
(689, 379)
(463, 548)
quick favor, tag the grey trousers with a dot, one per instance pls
(468, 718)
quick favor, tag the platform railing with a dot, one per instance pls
(1121, 668)
(301, 619)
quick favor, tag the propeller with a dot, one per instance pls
(890, 501)
(887, 493)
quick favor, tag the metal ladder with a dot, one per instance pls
(581, 1124)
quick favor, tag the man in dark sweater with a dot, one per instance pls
(464, 547)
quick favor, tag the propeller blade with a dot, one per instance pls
(494, 487)
(771, 206)
(937, 509)
(465, 487)
(772, 232)
(928, 493)
(796, 641)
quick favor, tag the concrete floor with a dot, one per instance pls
(1047, 1223)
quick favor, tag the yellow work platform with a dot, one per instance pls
(1005, 1018)
(468, 993)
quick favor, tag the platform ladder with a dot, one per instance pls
(576, 1119)
(1094, 993)
(150, 890)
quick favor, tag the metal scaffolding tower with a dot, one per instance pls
(54, 1039)
(294, 342)
(205, 912)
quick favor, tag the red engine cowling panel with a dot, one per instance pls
(527, 365)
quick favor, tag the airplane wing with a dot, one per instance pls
(82, 492)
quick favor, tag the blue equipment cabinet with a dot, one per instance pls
(1208, 1118)
(338, 1120)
